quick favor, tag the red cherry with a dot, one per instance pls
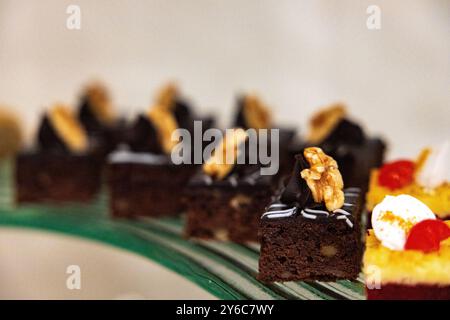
(427, 235)
(397, 174)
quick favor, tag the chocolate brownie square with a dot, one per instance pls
(56, 178)
(142, 178)
(310, 235)
(62, 167)
(310, 243)
(227, 209)
(145, 184)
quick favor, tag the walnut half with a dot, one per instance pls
(166, 95)
(256, 114)
(68, 128)
(324, 121)
(165, 124)
(323, 178)
(220, 164)
(99, 99)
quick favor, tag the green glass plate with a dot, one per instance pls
(227, 270)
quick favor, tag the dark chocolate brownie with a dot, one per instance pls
(229, 208)
(143, 180)
(145, 184)
(56, 177)
(303, 240)
(53, 173)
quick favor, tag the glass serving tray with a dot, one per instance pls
(226, 270)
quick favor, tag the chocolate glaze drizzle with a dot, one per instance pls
(241, 175)
(143, 137)
(297, 199)
(316, 212)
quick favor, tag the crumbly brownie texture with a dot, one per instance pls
(226, 214)
(225, 200)
(145, 189)
(43, 177)
(409, 292)
(311, 243)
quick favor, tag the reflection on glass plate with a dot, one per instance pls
(34, 265)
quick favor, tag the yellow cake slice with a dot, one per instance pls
(437, 199)
(429, 181)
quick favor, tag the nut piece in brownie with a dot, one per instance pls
(312, 232)
(253, 113)
(97, 116)
(407, 252)
(345, 141)
(225, 199)
(143, 180)
(62, 167)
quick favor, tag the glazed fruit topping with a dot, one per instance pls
(427, 235)
(397, 174)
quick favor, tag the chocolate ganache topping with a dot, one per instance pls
(142, 136)
(218, 172)
(315, 191)
(60, 131)
(297, 192)
(330, 127)
(152, 132)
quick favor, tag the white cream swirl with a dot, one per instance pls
(395, 216)
(436, 169)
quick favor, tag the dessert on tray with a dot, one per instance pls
(407, 252)
(225, 198)
(345, 141)
(97, 116)
(142, 179)
(427, 179)
(312, 232)
(252, 113)
(62, 166)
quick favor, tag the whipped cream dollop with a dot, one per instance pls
(436, 169)
(395, 216)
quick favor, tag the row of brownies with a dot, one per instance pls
(307, 217)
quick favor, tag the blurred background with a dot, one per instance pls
(298, 55)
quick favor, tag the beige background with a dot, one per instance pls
(297, 54)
